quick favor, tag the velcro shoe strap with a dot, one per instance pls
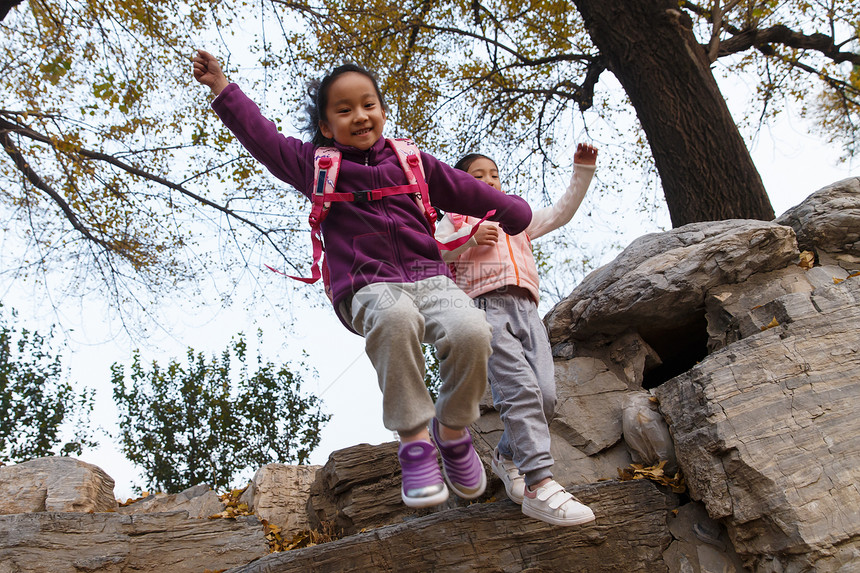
(559, 499)
(554, 495)
(549, 490)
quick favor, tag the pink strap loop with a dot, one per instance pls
(453, 244)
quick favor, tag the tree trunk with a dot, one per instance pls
(705, 167)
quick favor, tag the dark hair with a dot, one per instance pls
(317, 91)
(467, 160)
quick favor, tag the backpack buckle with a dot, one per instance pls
(361, 196)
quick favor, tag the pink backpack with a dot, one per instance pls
(326, 168)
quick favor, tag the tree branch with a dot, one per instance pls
(785, 36)
(6, 127)
(21, 163)
(717, 26)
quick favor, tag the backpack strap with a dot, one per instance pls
(410, 158)
(326, 168)
(458, 221)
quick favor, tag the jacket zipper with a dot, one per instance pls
(392, 227)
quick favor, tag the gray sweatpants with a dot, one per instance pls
(395, 318)
(522, 380)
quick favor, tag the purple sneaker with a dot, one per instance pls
(461, 465)
(422, 481)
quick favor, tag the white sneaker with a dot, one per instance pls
(552, 504)
(515, 483)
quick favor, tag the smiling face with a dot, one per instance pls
(485, 170)
(353, 114)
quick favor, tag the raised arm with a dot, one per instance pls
(551, 218)
(287, 158)
(208, 72)
(456, 191)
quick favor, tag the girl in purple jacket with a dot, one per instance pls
(388, 280)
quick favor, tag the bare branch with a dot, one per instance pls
(716, 27)
(842, 87)
(783, 35)
(21, 163)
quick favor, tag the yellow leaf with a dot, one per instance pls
(807, 260)
(771, 324)
(655, 474)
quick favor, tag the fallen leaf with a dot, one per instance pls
(807, 260)
(234, 508)
(852, 275)
(771, 324)
(655, 474)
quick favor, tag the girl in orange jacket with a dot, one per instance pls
(498, 271)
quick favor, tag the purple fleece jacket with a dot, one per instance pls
(387, 240)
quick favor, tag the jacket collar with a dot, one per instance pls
(369, 156)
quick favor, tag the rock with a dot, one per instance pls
(754, 359)
(766, 435)
(828, 223)
(48, 542)
(634, 357)
(700, 543)
(762, 366)
(731, 309)
(362, 476)
(199, 502)
(586, 429)
(55, 484)
(279, 494)
(825, 275)
(630, 534)
(646, 432)
(571, 465)
(659, 282)
(588, 411)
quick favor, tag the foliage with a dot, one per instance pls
(524, 72)
(34, 402)
(654, 473)
(114, 170)
(838, 110)
(207, 421)
(524, 65)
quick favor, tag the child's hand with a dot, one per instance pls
(487, 235)
(586, 154)
(208, 72)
